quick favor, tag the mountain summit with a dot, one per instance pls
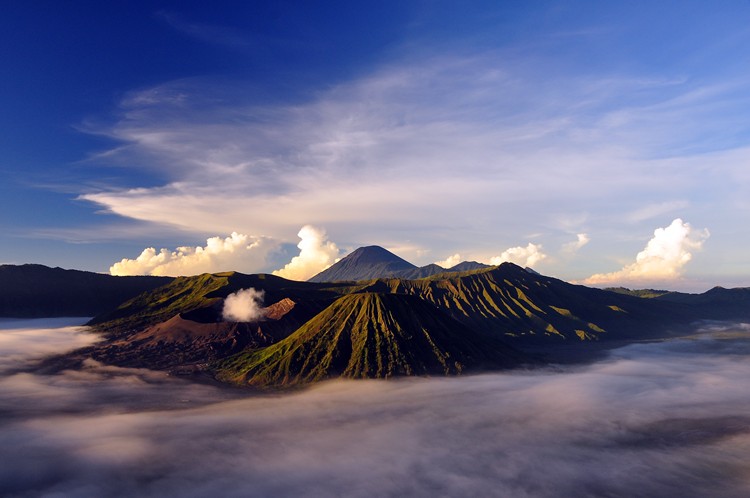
(363, 264)
(371, 262)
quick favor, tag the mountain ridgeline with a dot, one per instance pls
(381, 326)
(375, 262)
(37, 291)
(447, 323)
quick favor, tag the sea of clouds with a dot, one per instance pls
(659, 419)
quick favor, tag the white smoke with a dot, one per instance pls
(245, 305)
(316, 253)
(522, 256)
(664, 257)
(236, 252)
(581, 240)
(450, 261)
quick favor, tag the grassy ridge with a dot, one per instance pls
(370, 335)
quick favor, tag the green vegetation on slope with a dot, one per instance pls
(370, 335)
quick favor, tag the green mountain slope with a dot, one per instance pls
(370, 336)
(202, 297)
(527, 307)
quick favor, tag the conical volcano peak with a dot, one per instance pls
(365, 263)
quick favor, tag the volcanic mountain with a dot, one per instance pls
(381, 327)
(376, 262)
(371, 335)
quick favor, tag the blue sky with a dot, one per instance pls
(584, 138)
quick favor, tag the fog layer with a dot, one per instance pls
(662, 419)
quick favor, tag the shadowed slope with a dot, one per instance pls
(370, 336)
(35, 291)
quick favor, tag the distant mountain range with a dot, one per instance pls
(37, 291)
(376, 262)
(448, 323)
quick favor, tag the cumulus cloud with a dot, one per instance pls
(237, 252)
(316, 253)
(581, 240)
(522, 256)
(245, 305)
(663, 259)
(450, 261)
(657, 419)
(388, 142)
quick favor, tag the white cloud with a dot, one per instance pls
(450, 261)
(581, 240)
(245, 305)
(663, 259)
(316, 253)
(522, 256)
(376, 158)
(238, 252)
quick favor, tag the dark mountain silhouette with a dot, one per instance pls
(37, 291)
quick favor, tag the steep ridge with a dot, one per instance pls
(528, 307)
(370, 335)
(37, 291)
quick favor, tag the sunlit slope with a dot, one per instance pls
(202, 296)
(370, 335)
(528, 307)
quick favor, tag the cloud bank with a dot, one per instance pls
(663, 259)
(522, 256)
(238, 252)
(316, 253)
(666, 419)
(245, 305)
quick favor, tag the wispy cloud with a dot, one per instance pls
(571, 247)
(222, 35)
(426, 152)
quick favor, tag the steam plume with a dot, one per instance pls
(245, 305)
